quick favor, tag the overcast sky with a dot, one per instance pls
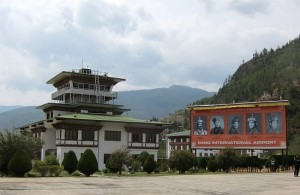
(151, 44)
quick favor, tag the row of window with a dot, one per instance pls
(109, 136)
(138, 138)
(180, 140)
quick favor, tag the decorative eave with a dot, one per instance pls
(118, 109)
(240, 105)
(71, 126)
(111, 118)
(186, 133)
(67, 75)
(154, 129)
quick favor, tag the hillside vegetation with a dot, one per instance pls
(269, 75)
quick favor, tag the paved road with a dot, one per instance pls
(211, 184)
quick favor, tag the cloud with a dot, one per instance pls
(150, 43)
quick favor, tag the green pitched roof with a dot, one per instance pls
(108, 118)
(181, 133)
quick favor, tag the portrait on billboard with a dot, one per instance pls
(199, 125)
(274, 123)
(217, 125)
(235, 124)
(253, 123)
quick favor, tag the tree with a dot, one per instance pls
(11, 141)
(88, 163)
(70, 162)
(118, 159)
(182, 160)
(227, 158)
(20, 163)
(294, 145)
(149, 165)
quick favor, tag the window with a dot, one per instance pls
(112, 136)
(137, 137)
(151, 138)
(75, 85)
(88, 135)
(71, 134)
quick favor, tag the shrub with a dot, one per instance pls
(55, 170)
(202, 163)
(149, 165)
(70, 162)
(118, 159)
(142, 157)
(88, 163)
(11, 141)
(41, 167)
(213, 164)
(162, 165)
(136, 166)
(77, 173)
(51, 159)
(182, 160)
(20, 163)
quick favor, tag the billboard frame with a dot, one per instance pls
(252, 120)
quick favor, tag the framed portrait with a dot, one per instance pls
(274, 123)
(235, 124)
(200, 125)
(253, 121)
(216, 125)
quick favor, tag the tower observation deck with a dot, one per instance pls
(84, 86)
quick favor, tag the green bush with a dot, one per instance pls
(202, 163)
(142, 157)
(55, 170)
(149, 165)
(118, 159)
(51, 159)
(41, 167)
(162, 165)
(182, 160)
(88, 163)
(213, 164)
(11, 141)
(70, 162)
(136, 166)
(77, 173)
(20, 163)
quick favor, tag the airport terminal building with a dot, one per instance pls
(82, 115)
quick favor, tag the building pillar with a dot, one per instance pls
(79, 135)
(129, 137)
(144, 139)
(62, 134)
(157, 138)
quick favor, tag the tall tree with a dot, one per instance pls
(11, 141)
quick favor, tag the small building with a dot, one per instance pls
(178, 141)
(82, 115)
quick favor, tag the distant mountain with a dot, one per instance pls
(159, 102)
(7, 108)
(144, 104)
(20, 116)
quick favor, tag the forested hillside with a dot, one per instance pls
(270, 75)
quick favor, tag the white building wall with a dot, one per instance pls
(61, 151)
(107, 147)
(48, 137)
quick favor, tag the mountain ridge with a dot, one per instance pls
(145, 104)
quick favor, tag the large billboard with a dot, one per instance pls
(253, 125)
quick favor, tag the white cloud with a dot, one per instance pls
(150, 43)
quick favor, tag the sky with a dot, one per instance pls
(152, 44)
